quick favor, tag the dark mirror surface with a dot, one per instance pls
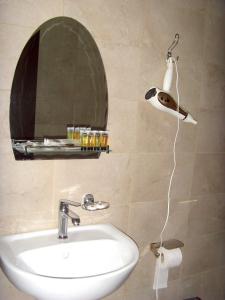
(59, 80)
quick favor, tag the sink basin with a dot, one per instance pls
(93, 262)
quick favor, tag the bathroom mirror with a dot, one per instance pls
(59, 80)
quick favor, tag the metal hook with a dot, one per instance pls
(173, 45)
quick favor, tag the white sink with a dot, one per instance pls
(93, 262)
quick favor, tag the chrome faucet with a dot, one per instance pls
(87, 203)
(64, 214)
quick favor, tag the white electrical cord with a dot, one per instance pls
(171, 177)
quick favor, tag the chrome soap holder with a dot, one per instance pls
(89, 203)
(169, 244)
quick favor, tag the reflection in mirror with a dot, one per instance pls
(59, 80)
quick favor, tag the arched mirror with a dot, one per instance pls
(59, 87)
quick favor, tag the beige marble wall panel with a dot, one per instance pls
(213, 282)
(141, 293)
(211, 133)
(152, 67)
(108, 26)
(118, 22)
(166, 18)
(214, 40)
(191, 286)
(207, 215)
(213, 87)
(122, 70)
(146, 220)
(216, 8)
(151, 174)
(5, 144)
(122, 125)
(29, 12)
(4, 114)
(27, 222)
(155, 129)
(171, 292)
(202, 253)
(106, 178)
(26, 193)
(209, 174)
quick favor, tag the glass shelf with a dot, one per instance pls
(50, 147)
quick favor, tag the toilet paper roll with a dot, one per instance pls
(168, 259)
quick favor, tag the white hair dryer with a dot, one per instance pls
(161, 99)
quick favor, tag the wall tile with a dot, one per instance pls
(214, 40)
(171, 292)
(213, 282)
(171, 18)
(106, 178)
(22, 12)
(142, 293)
(26, 222)
(211, 134)
(216, 8)
(209, 174)
(113, 24)
(151, 174)
(199, 253)
(122, 70)
(122, 125)
(155, 129)
(110, 23)
(213, 88)
(207, 215)
(146, 220)
(26, 187)
(4, 114)
(191, 287)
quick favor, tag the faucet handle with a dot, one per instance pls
(69, 202)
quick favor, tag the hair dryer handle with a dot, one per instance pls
(167, 82)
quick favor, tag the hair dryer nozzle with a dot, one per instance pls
(151, 93)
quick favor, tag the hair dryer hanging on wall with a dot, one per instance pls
(160, 98)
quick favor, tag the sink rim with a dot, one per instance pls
(10, 259)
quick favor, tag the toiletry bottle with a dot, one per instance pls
(76, 135)
(84, 140)
(97, 140)
(104, 140)
(91, 140)
(70, 130)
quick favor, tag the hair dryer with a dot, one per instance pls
(162, 100)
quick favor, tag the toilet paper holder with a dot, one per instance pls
(169, 244)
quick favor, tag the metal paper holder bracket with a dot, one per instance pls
(169, 244)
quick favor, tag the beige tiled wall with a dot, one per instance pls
(133, 36)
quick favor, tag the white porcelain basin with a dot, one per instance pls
(93, 262)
